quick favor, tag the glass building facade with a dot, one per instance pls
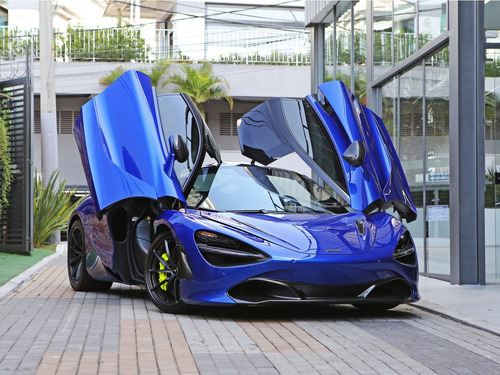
(419, 64)
(492, 138)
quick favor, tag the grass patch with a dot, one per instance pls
(12, 265)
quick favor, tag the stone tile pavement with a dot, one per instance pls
(47, 328)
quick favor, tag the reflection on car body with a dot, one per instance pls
(247, 233)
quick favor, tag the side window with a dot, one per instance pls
(177, 118)
(312, 138)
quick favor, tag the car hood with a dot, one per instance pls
(266, 133)
(348, 234)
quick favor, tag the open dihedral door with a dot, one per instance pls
(344, 143)
(122, 145)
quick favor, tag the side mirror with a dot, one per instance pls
(180, 149)
(355, 154)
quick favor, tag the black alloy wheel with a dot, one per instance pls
(79, 278)
(163, 276)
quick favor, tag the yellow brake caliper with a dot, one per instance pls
(162, 275)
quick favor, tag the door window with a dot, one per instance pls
(312, 138)
(177, 118)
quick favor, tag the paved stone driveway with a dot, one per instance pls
(46, 328)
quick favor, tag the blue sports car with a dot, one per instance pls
(198, 233)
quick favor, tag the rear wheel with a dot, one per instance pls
(162, 274)
(79, 278)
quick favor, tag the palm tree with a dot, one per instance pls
(200, 84)
(157, 71)
(155, 74)
(112, 76)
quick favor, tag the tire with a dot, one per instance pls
(162, 275)
(375, 307)
(79, 278)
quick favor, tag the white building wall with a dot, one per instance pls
(77, 82)
(189, 28)
(245, 81)
(23, 14)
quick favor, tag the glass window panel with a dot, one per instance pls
(432, 20)
(382, 36)
(411, 104)
(267, 189)
(437, 161)
(410, 146)
(312, 138)
(360, 51)
(491, 24)
(492, 164)
(404, 29)
(329, 48)
(343, 36)
(177, 118)
(389, 105)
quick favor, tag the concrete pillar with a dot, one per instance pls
(317, 56)
(467, 245)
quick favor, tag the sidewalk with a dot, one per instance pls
(477, 305)
(47, 328)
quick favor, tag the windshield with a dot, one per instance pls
(252, 188)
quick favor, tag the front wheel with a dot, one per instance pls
(162, 274)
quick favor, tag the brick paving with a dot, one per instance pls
(47, 328)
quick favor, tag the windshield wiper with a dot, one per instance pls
(206, 209)
(260, 211)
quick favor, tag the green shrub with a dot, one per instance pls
(123, 43)
(13, 42)
(5, 161)
(52, 208)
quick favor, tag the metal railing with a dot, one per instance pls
(258, 47)
(131, 44)
(13, 42)
(115, 44)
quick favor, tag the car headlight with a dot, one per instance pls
(224, 251)
(405, 250)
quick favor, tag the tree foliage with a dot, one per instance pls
(200, 84)
(157, 72)
(112, 76)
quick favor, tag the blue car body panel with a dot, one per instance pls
(380, 177)
(122, 147)
(292, 260)
(321, 257)
(379, 182)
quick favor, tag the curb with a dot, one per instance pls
(458, 317)
(15, 283)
